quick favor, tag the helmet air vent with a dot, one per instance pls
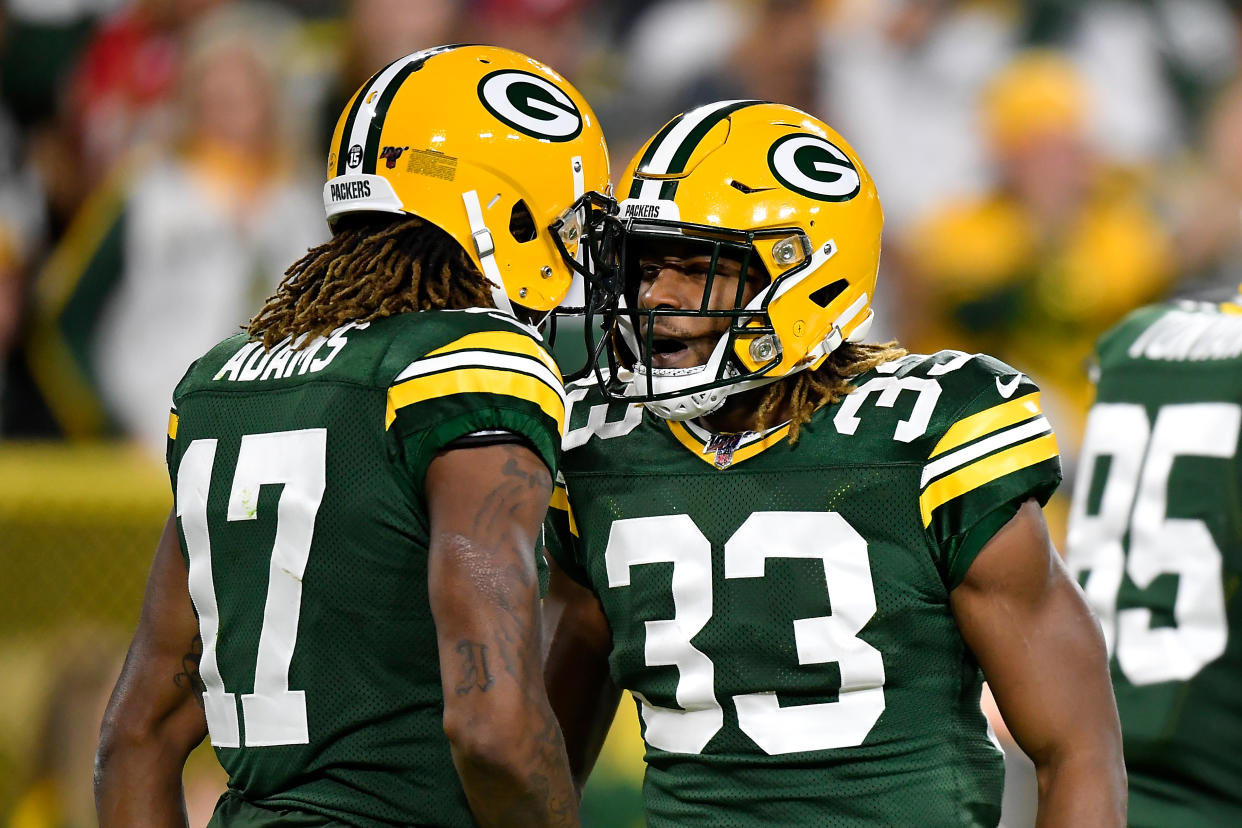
(737, 185)
(522, 223)
(824, 296)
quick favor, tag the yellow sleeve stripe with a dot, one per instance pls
(172, 425)
(985, 422)
(560, 501)
(985, 471)
(991, 444)
(510, 342)
(476, 381)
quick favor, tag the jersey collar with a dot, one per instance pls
(724, 450)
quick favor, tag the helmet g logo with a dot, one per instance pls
(530, 104)
(814, 167)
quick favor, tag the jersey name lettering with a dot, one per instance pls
(253, 362)
(1181, 336)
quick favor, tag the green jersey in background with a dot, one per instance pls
(1156, 540)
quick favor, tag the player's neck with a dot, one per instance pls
(740, 412)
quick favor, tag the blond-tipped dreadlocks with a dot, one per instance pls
(808, 391)
(370, 270)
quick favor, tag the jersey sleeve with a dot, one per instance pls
(561, 534)
(481, 381)
(997, 451)
(173, 422)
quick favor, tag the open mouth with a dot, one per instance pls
(667, 346)
(667, 352)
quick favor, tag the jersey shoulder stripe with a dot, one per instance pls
(560, 503)
(983, 447)
(490, 362)
(970, 477)
(509, 342)
(988, 424)
(504, 381)
(1033, 428)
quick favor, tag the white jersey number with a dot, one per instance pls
(1135, 500)
(274, 714)
(820, 640)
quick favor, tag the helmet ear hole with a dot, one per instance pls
(522, 223)
(824, 296)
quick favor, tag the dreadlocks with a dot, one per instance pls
(807, 391)
(370, 269)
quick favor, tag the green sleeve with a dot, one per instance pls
(995, 453)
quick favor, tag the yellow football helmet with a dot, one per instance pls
(491, 146)
(752, 181)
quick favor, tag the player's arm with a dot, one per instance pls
(1044, 657)
(155, 716)
(486, 506)
(578, 640)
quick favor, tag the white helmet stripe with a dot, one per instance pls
(663, 155)
(370, 97)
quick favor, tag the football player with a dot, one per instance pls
(1155, 534)
(800, 553)
(346, 595)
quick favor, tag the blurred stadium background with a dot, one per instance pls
(1045, 166)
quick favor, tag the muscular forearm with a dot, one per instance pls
(1082, 790)
(138, 787)
(519, 781)
(155, 717)
(576, 671)
(484, 594)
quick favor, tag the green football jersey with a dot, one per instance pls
(781, 613)
(298, 478)
(1156, 540)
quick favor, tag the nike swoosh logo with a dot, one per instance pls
(1006, 389)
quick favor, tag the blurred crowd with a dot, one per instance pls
(1045, 165)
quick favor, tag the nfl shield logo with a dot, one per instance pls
(724, 445)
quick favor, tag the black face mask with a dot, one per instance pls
(614, 346)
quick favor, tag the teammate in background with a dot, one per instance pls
(346, 596)
(800, 552)
(1155, 534)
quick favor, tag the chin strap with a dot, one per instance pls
(485, 247)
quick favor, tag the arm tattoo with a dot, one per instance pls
(508, 497)
(530, 481)
(474, 668)
(189, 678)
